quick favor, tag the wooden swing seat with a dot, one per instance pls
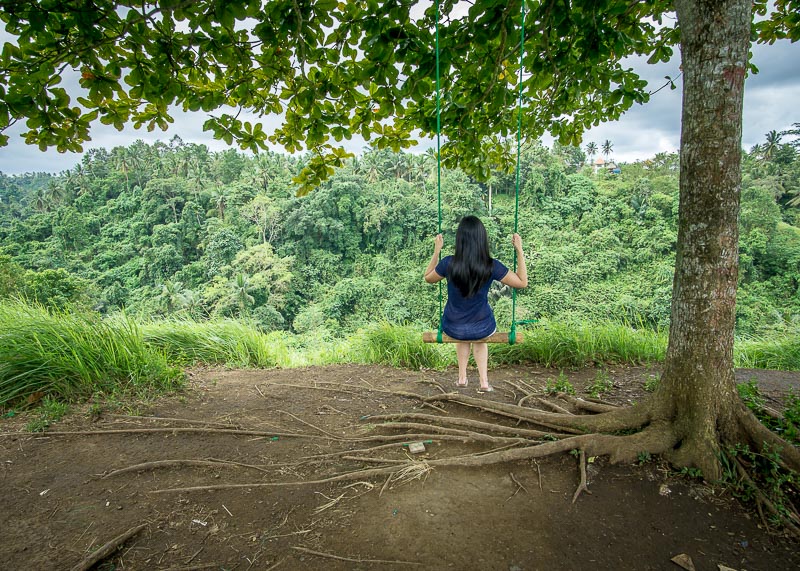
(430, 337)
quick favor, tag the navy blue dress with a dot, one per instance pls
(469, 318)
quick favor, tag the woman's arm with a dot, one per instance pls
(518, 279)
(430, 272)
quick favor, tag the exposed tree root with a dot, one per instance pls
(315, 427)
(760, 435)
(544, 403)
(165, 430)
(588, 406)
(168, 419)
(624, 418)
(158, 464)
(601, 401)
(467, 423)
(339, 387)
(369, 460)
(107, 549)
(763, 500)
(656, 438)
(353, 560)
(582, 487)
(468, 435)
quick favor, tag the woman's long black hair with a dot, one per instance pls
(472, 264)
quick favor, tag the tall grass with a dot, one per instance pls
(781, 353)
(562, 344)
(75, 355)
(231, 343)
(397, 346)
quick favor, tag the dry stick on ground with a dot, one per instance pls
(175, 463)
(353, 560)
(107, 549)
(467, 423)
(582, 486)
(519, 486)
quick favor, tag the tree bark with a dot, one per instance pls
(698, 388)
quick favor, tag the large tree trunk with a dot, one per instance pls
(698, 388)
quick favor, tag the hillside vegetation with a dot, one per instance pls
(210, 257)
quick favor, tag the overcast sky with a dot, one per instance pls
(770, 102)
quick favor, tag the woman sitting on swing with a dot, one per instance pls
(467, 315)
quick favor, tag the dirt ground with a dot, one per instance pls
(59, 503)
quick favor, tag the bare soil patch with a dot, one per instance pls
(59, 503)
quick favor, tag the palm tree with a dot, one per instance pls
(192, 302)
(171, 296)
(591, 150)
(78, 179)
(608, 146)
(40, 201)
(220, 201)
(772, 144)
(54, 193)
(241, 287)
(121, 163)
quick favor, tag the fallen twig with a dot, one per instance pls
(172, 463)
(517, 482)
(107, 549)
(519, 486)
(353, 560)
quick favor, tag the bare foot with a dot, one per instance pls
(462, 382)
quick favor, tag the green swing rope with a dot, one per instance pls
(512, 336)
(438, 166)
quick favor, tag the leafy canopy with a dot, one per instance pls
(331, 69)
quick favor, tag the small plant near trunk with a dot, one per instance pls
(559, 385)
(602, 384)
